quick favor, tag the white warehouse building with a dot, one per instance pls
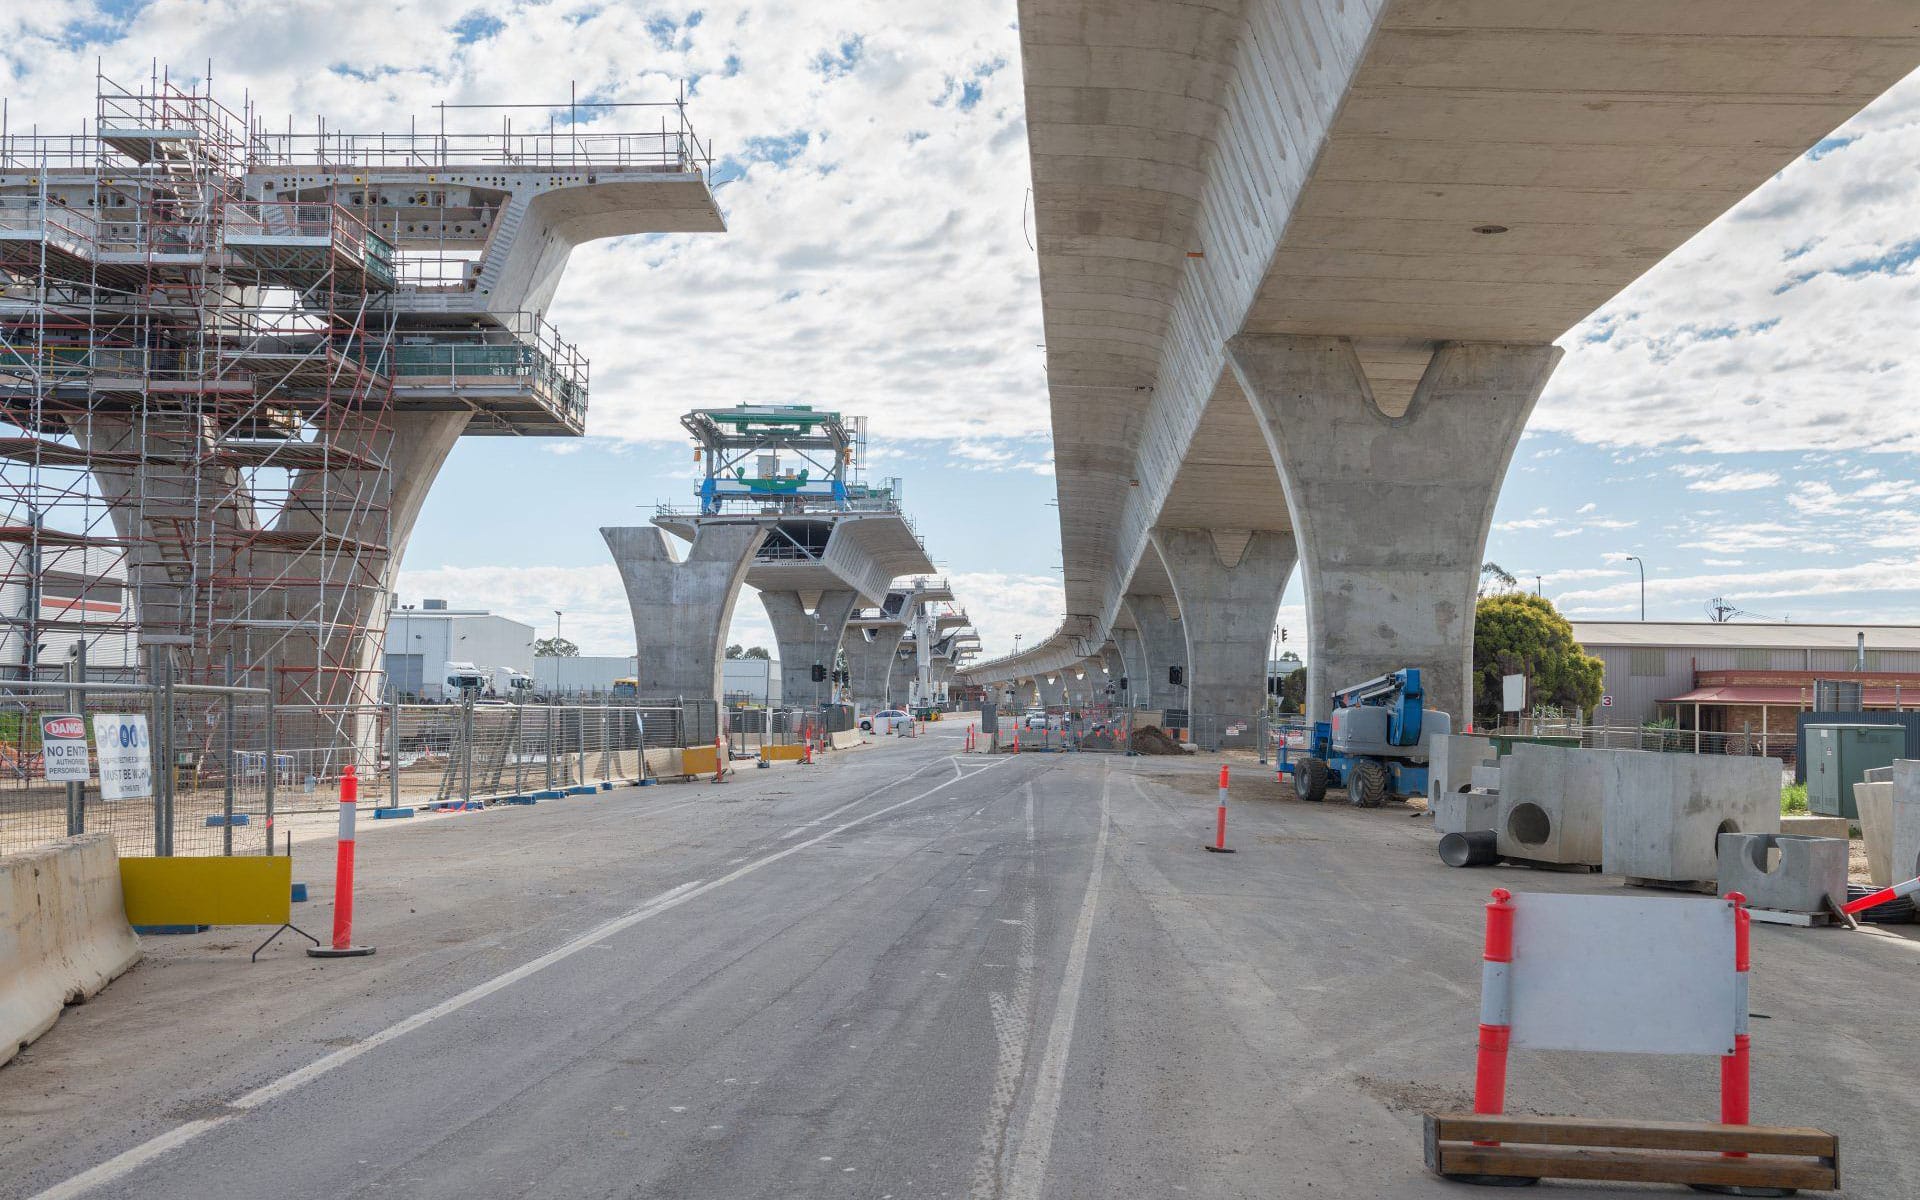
(422, 641)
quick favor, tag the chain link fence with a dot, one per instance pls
(225, 762)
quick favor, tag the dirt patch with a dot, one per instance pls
(1151, 739)
(1402, 1095)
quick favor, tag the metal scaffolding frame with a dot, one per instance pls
(200, 415)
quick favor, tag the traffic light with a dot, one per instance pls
(1176, 677)
(819, 673)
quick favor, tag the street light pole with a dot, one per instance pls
(557, 615)
(1637, 561)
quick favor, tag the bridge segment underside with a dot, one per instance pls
(1432, 190)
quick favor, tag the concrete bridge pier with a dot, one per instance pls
(1228, 583)
(1391, 511)
(1053, 692)
(1114, 666)
(1133, 667)
(681, 609)
(1163, 644)
(901, 675)
(870, 656)
(809, 630)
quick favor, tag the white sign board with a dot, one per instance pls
(1606, 702)
(1513, 693)
(1623, 974)
(63, 747)
(126, 767)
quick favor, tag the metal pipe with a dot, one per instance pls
(226, 831)
(272, 766)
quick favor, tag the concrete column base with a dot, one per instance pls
(1391, 512)
(681, 610)
(808, 633)
(1229, 585)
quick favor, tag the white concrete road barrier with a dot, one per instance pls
(63, 933)
(845, 739)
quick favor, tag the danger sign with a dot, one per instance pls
(63, 747)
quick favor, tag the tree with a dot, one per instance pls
(1495, 579)
(733, 651)
(1293, 692)
(1517, 633)
(759, 652)
(555, 647)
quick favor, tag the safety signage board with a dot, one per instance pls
(126, 767)
(1623, 974)
(63, 747)
(1606, 702)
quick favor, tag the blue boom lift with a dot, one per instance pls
(1376, 744)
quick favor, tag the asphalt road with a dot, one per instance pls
(906, 972)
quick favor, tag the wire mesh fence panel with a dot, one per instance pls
(194, 785)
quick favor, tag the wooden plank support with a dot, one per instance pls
(1683, 1152)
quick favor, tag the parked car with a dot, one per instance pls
(1035, 719)
(883, 722)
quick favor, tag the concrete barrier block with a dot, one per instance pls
(1666, 812)
(1784, 872)
(1552, 804)
(845, 739)
(1465, 812)
(1451, 758)
(1906, 820)
(1485, 779)
(1831, 827)
(63, 933)
(663, 762)
(1874, 803)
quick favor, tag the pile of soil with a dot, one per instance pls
(1151, 739)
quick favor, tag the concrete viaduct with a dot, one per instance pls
(1303, 263)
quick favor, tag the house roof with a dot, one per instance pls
(1744, 635)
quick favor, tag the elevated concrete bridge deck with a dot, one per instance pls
(1302, 263)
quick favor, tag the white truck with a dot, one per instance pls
(503, 684)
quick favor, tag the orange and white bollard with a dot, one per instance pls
(1735, 1067)
(719, 758)
(1876, 899)
(343, 946)
(1496, 1008)
(1220, 826)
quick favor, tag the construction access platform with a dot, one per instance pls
(233, 358)
(782, 507)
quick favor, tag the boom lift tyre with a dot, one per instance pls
(1310, 779)
(1368, 787)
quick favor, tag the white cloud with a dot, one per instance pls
(1735, 481)
(1783, 326)
(876, 155)
(1588, 507)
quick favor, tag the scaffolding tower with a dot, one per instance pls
(219, 345)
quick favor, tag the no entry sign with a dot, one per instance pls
(63, 747)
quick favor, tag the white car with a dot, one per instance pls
(884, 721)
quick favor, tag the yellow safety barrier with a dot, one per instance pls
(697, 760)
(783, 753)
(253, 890)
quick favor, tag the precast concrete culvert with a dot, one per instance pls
(1529, 824)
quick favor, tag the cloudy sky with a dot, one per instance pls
(1743, 418)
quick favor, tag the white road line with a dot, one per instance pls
(1012, 1014)
(801, 828)
(125, 1163)
(1029, 1169)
